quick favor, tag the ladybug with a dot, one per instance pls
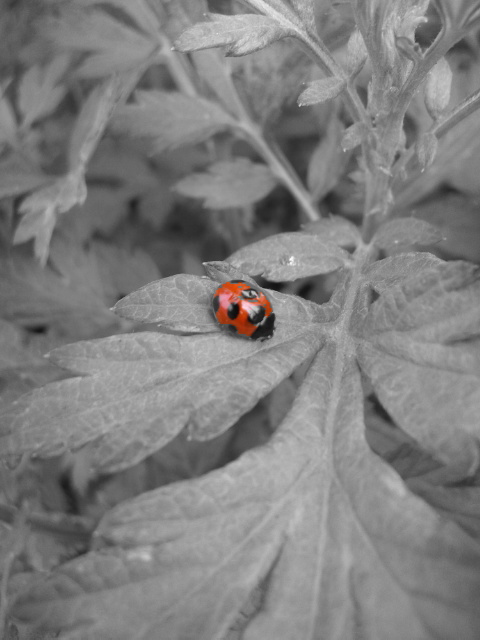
(244, 310)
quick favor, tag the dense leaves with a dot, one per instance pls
(174, 480)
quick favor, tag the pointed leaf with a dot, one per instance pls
(406, 231)
(180, 302)
(171, 119)
(239, 34)
(18, 177)
(334, 229)
(114, 46)
(288, 256)
(393, 270)
(39, 92)
(233, 183)
(321, 91)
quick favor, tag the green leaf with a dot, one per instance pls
(393, 270)
(327, 162)
(404, 232)
(419, 346)
(230, 183)
(321, 91)
(39, 92)
(18, 176)
(139, 11)
(321, 537)
(112, 46)
(239, 34)
(438, 88)
(334, 229)
(426, 148)
(288, 256)
(180, 302)
(142, 389)
(171, 119)
(93, 118)
(71, 295)
(298, 13)
(40, 210)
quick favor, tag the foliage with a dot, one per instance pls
(162, 478)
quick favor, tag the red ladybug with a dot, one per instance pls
(244, 310)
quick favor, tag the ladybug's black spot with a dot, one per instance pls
(216, 303)
(232, 328)
(265, 330)
(233, 310)
(256, 315)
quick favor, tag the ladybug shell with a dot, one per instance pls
(244, 310)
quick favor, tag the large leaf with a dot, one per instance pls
(171, 119)
(140, 390)
(420, 346)
(309, 537)
(233, 183)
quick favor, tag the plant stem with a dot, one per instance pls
(16, 542)
(279, 166)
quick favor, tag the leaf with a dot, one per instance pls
(212, 67)
(41, 208)
(311, 536)
(288, 256)
(71, 295)
(171, 119)
(113, 46)
(139, 11)
(437, 89)
(334, 229)
(18, 176)
(393, 270)
(353, 136)
(298, 13)
(229, 184)
(327, 162)
(142, 389)
(419, 346)
(178, 302)
(239, 34)
(39, 92)
(321, 91)
(426, 148)
(93, 119)
(402, 232)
